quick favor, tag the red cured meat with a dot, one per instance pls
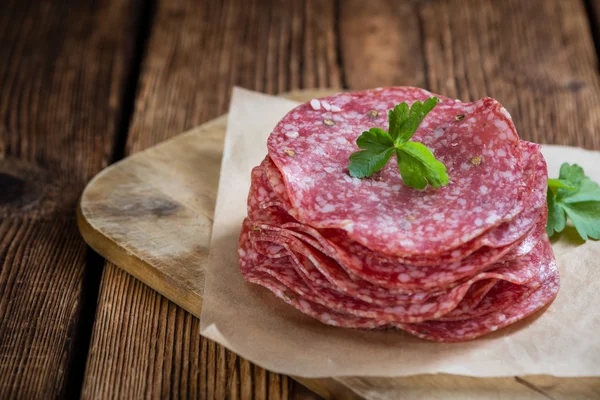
(282, 270)
(307, 307)
(497, 298)
(519, 280)
(362, 262)
(285, 273)
(459, 331)
(473, 298)
(503, 235)
(447, 264)
(336, 301)
(263, 202)
(247, 261)
(313, 156)
(519, 270)
(400, 277)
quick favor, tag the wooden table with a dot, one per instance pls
(85, 83)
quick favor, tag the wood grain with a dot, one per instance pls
(142, 246)
(536, 57)
(593, 10)
(62, 74)
(381, 44)
(196, 53)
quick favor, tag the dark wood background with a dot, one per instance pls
(84, 83)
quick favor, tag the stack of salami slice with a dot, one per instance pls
(447, 264)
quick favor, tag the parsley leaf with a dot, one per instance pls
(418, 111)
(586, 218)
(379, 148)
(560, 183)
(576, 196)
(397, 118)
(420, 167)
(557, 218)
(417, 164)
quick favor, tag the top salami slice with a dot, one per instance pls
(476, 141)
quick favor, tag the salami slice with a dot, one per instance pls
(476, 141)
(248, 260)
(354, 288)
(518, 271)
(477, 292)
(518, 280)
(401, 277)
(307, 307)
(497, 298)
(447, 264)
(503, 235)
(460, 331)
(358, 260)
(336, 301)
(286, 273)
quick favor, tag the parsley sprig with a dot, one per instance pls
(417, 164)
(576, 196)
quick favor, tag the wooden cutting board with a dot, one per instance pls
(151, 214)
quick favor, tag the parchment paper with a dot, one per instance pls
(564, 340)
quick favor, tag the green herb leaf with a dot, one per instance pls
(379, 148)
(397, 117)
(571, 173)
(417, 164)
(588, 190)
(576, 196)
(418, 111)
(375, 138)
(557, 218)
(560, 184)
(585, 217)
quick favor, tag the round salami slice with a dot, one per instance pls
(330, 276)
(248, 261)
(286, 271)
(333, 300)
(309, 308)
(473, 298)
(459, 331)
(263, 203)
(400, 277)
(354, 255)
(518, 279)
(499, 297)
(476, 141)
(447, 264)
(503, 235)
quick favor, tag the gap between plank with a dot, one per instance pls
(421, 25)
(92, 274)
(131, 79)
(337, 15)
(592, 14)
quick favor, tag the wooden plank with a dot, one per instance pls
(536, 57)
(143, 245)
(593, 10)
(142, 343)
(477, 59)
(380, 44)
(63, 70)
